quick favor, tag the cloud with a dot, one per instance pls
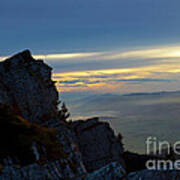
(80, 82)
(146, 53)
(139, 53)
(72, 86)
(70, 82)
(68, 55)
(89, 81)
(144, 80)
(145, 77)
(113, 79)
(60, 56)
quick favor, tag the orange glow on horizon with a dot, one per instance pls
(114, 78)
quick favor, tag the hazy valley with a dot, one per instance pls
(136, 116)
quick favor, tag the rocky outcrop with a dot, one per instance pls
(67, 164)
(112, 171)
(51, 170)
(97, 143)
(25, 84)
(27, 89)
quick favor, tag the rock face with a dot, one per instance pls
(97, 143)
(112, 171)
(40, 160)
(26, 87)
(35, 172)
(25, 83)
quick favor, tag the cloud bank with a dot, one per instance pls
(140, 69)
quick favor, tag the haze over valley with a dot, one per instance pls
(136, 116)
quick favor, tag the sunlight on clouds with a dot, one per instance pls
(158, 52)
(62, 56)
(140, 53)
(67, 55)
(115, 79)
(145, 69)
(3, 58)
(174, 71)
(142, 77)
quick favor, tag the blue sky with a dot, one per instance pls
(97, 26)
(68, 25)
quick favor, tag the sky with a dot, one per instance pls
(99, 46)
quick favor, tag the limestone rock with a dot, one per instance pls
(26, 85)
(112, 171)
(97, 143)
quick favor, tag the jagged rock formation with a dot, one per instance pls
(112, 171)
(50, 170)
(25, 83)
(97, 143)
(27, 89)
(28, 148)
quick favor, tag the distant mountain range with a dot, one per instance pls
(152, 93)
